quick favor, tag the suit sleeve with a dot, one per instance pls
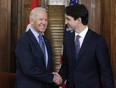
(104, 63)
(27, 65)
(63, 70)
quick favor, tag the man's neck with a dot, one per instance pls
(80, 29)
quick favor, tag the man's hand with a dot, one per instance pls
(57, 78)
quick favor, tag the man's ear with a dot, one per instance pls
(79, 20)
(31, 21)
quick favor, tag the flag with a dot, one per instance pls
(34, 4)
(72, 2)
(66, 32)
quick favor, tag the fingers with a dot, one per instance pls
(57, 78)
(55, 73)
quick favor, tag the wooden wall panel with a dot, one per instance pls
(114, 58)
(5, 21)
(25, 13)
(113, 37)
(94, 8)
(106, 21)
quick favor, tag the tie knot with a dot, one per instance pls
(40, 38)
(77, 37)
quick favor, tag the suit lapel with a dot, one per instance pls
(35, 43)
(72, 45)
(48, 50)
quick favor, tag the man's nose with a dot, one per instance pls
(65, 21)
(44, 21)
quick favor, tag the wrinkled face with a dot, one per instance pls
(39, 23)
(70, 22)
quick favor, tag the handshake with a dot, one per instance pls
(57, 79)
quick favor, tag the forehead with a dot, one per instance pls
(41, 14)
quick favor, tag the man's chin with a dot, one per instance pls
(43, 30)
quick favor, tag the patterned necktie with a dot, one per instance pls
(42, 45)
(77, 46)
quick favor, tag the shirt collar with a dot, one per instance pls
(34, 32)
(83, 33)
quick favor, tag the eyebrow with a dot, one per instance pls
(67, 18)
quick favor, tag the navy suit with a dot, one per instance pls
(92, 68)
(31, 69)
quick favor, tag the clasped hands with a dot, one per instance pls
(57, 78)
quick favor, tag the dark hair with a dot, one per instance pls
(78, 11)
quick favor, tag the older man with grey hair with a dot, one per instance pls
(33, 55)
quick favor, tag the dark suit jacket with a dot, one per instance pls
(92, 68)
(31, 69)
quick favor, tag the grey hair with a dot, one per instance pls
(34, 11)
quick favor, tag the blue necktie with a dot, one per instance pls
(42, 45)
(77, 46)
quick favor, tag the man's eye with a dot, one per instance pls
(43, 20)
(40, 19)
(67, 19)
